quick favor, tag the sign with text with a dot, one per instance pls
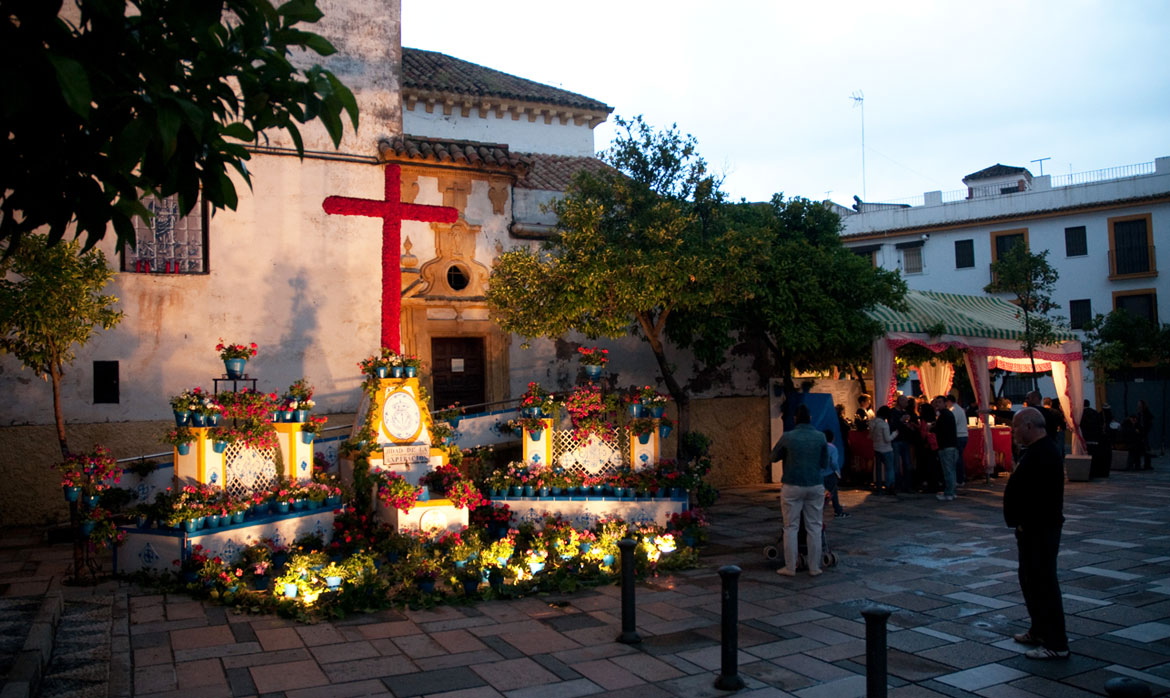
(405, 456)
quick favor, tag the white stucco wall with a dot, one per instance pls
(520, 135)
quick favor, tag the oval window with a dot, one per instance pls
(457, 279)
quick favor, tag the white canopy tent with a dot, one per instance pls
(989, 332)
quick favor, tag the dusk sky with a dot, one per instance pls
(765, 87)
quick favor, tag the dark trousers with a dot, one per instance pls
(960, 466)
(1038, 549)
(831, 488)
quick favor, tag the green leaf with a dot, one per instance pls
(239, 131)
(74, 84)
(319, 44)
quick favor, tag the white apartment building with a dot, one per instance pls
(1106, 232)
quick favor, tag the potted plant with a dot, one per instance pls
(593, 359)
(235, 356)
(313, 427)
(395, 492)
(425, 571)
(85, 475)
(181, 405)
(411, 365)
(179, 438)
(377, 365)
(642, 427)
(592, 412)
(300, 397)
(653, 400)
(535, 401)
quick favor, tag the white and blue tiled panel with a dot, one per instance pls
(156, 549)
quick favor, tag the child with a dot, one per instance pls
(832, 474)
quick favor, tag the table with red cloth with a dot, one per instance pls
(1001, 442)
(860, 454)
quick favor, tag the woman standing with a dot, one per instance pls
(883, 451)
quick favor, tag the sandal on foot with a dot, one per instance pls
(1027, 638)
(1045, 653)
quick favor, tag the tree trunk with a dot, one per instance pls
(860, 377)
(680, 397)
(1031, 347)
(58, 415)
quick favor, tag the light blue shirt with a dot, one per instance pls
(834, 461)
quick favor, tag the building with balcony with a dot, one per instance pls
(1101, 229)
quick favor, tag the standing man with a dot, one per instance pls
(805, 454)
(905, 433)
(948, 451)
(1093, 431)
(961, 435)
(1033, 504)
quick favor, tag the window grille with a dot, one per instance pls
(168, 243)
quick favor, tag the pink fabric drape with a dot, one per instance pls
(1072, 400)
(981, 382)
(935, 378)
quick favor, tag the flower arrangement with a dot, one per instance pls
(653, 398)
(235, 351)
(690, 525)
(92, 472)
(300, 391)
(409, 361)
(441, 478)
(394, 491)
(314, 426)
(104, 532)
(491, 515)
(426, 569)
(641, 425)
(178, 436)
(184, 401)
(251, 411)
(537, 398)
(500, 552)
(593, 356)
(591, 412)
(386, 358)
(465, 495)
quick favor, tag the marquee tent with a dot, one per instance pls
(989, 332)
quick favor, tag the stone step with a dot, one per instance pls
(80, 665)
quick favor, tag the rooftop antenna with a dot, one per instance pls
(858, 98)
(1041, 161)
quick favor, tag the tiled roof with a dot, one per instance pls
(553, 172)
(430, 70)
(997, 170)
(468, 153)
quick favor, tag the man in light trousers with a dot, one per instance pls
(805, 454)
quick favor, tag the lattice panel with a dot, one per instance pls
(249, 470)
(591, 456)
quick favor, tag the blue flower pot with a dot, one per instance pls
(543, 492)
(238, 517)
(90, 501)
(300, 415)
(644, 438)
(234, 368)
(396, 371)
(555, 491)
(181, 417)
(664, 431)
(333, 582)
(200, 522)
(219, 446)
(213, 420)
(382, 371)
(536, 567)
(286, 415)
(333, 500)
(259, 583)
(71, 493)
(529, 491)
(87, 528)
(198, 420)
(535, 434)
(657, 411)
(298, 504)
(635, 409)
(282, 507)
(290, 591)
(307, 437)
(470, 587)
(424, 494)
(426, 586)
(607, 560)
(183, 449)
(592, 372)
(213, 521)
(410, 371)
(190, 526)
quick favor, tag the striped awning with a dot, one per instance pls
(956, 314)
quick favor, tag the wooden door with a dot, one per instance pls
(457, 369)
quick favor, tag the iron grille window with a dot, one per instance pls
(1075, 244)
(1132, 247)
(1140, 304)
(169, 243)
(912, 260)
(964, 254)
(1079, 313)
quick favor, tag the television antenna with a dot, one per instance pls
(858, 98)
(1041, 161)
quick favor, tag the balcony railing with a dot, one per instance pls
(1121, 172)
(1130, 260)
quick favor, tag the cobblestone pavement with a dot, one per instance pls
(947, 569)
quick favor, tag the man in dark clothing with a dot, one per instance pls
(1033, 504)
(948, 446)
(906, 434)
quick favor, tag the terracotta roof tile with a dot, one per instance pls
(468, 153)
(430, 70)
(997, 170)
(553, 172)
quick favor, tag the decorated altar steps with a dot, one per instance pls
(584, 511)
(155, 549)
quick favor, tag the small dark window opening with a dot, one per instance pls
(1075, 244)
(457, 279)
(105, 382)
(964, 254)
(1079, 313)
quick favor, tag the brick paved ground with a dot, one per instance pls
(947, 569)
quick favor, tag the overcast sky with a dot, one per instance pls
(949, 88)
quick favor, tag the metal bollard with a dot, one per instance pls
(629, 634)
(875, 651)
(1125, 687)
(729, 679)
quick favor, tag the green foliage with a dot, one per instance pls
(1030, 279)
(148, 96)
(805, 294)
(50, 303)
(1120, 339)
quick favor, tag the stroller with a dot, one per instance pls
(775, 553)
